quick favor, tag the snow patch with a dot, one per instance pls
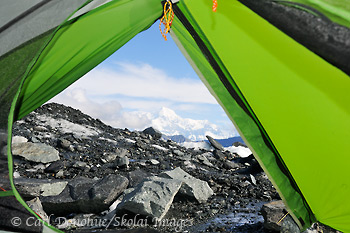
(129, 140)
(108, 140)
(160, 148)
(68, 127)
(197, 145)
(240, 150)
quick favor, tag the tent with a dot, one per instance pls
(283, 80)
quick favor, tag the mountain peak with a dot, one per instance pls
(170, 123)
(168, 113)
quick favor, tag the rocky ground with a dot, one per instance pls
(79, 174)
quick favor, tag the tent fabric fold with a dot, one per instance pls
(81, 46)
(44, 65)
(287, 96)
(29, 23)
(244, 122)
(295, 95)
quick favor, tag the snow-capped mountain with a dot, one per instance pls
(169, 123)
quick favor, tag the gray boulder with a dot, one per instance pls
(181, 155)
(277, 218)
(210, 156)
(214, 143)
(30, 188)
(85, 195)
(109, 188)
(61, 204)
(110, 157)
(186, 157)
(156, 134)
(273, 212)
(192, 187)
(122, 161)
(219, 155)
(230, 165)
(178, 153)
(136, 176)
(152, 197)
(64, 143)
(79, 164)
(203, 158)
(79, 188)
(40, 128)
(237, 144)
(35, 152)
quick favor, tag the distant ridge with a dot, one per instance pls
(176, 138)
(229, 141)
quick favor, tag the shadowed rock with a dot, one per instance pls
(135, 177)
(84, 195)
(156, 134)
(214, 143)
(30, 188)
(273, 213)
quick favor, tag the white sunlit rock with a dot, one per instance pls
(16, 175)
(240, 150)
(197, 145)
(19, 139)
(160, 147)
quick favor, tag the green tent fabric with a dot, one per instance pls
(51, 75)
(292, 86)
(19, 48)
(291, 106)
(47, 63)
(243, 122)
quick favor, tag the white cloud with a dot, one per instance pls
(110, 112)
(77, 98)
(145, 81)
(132, 120)
(144, 105)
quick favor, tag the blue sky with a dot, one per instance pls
(130, 87)
(149, 46)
